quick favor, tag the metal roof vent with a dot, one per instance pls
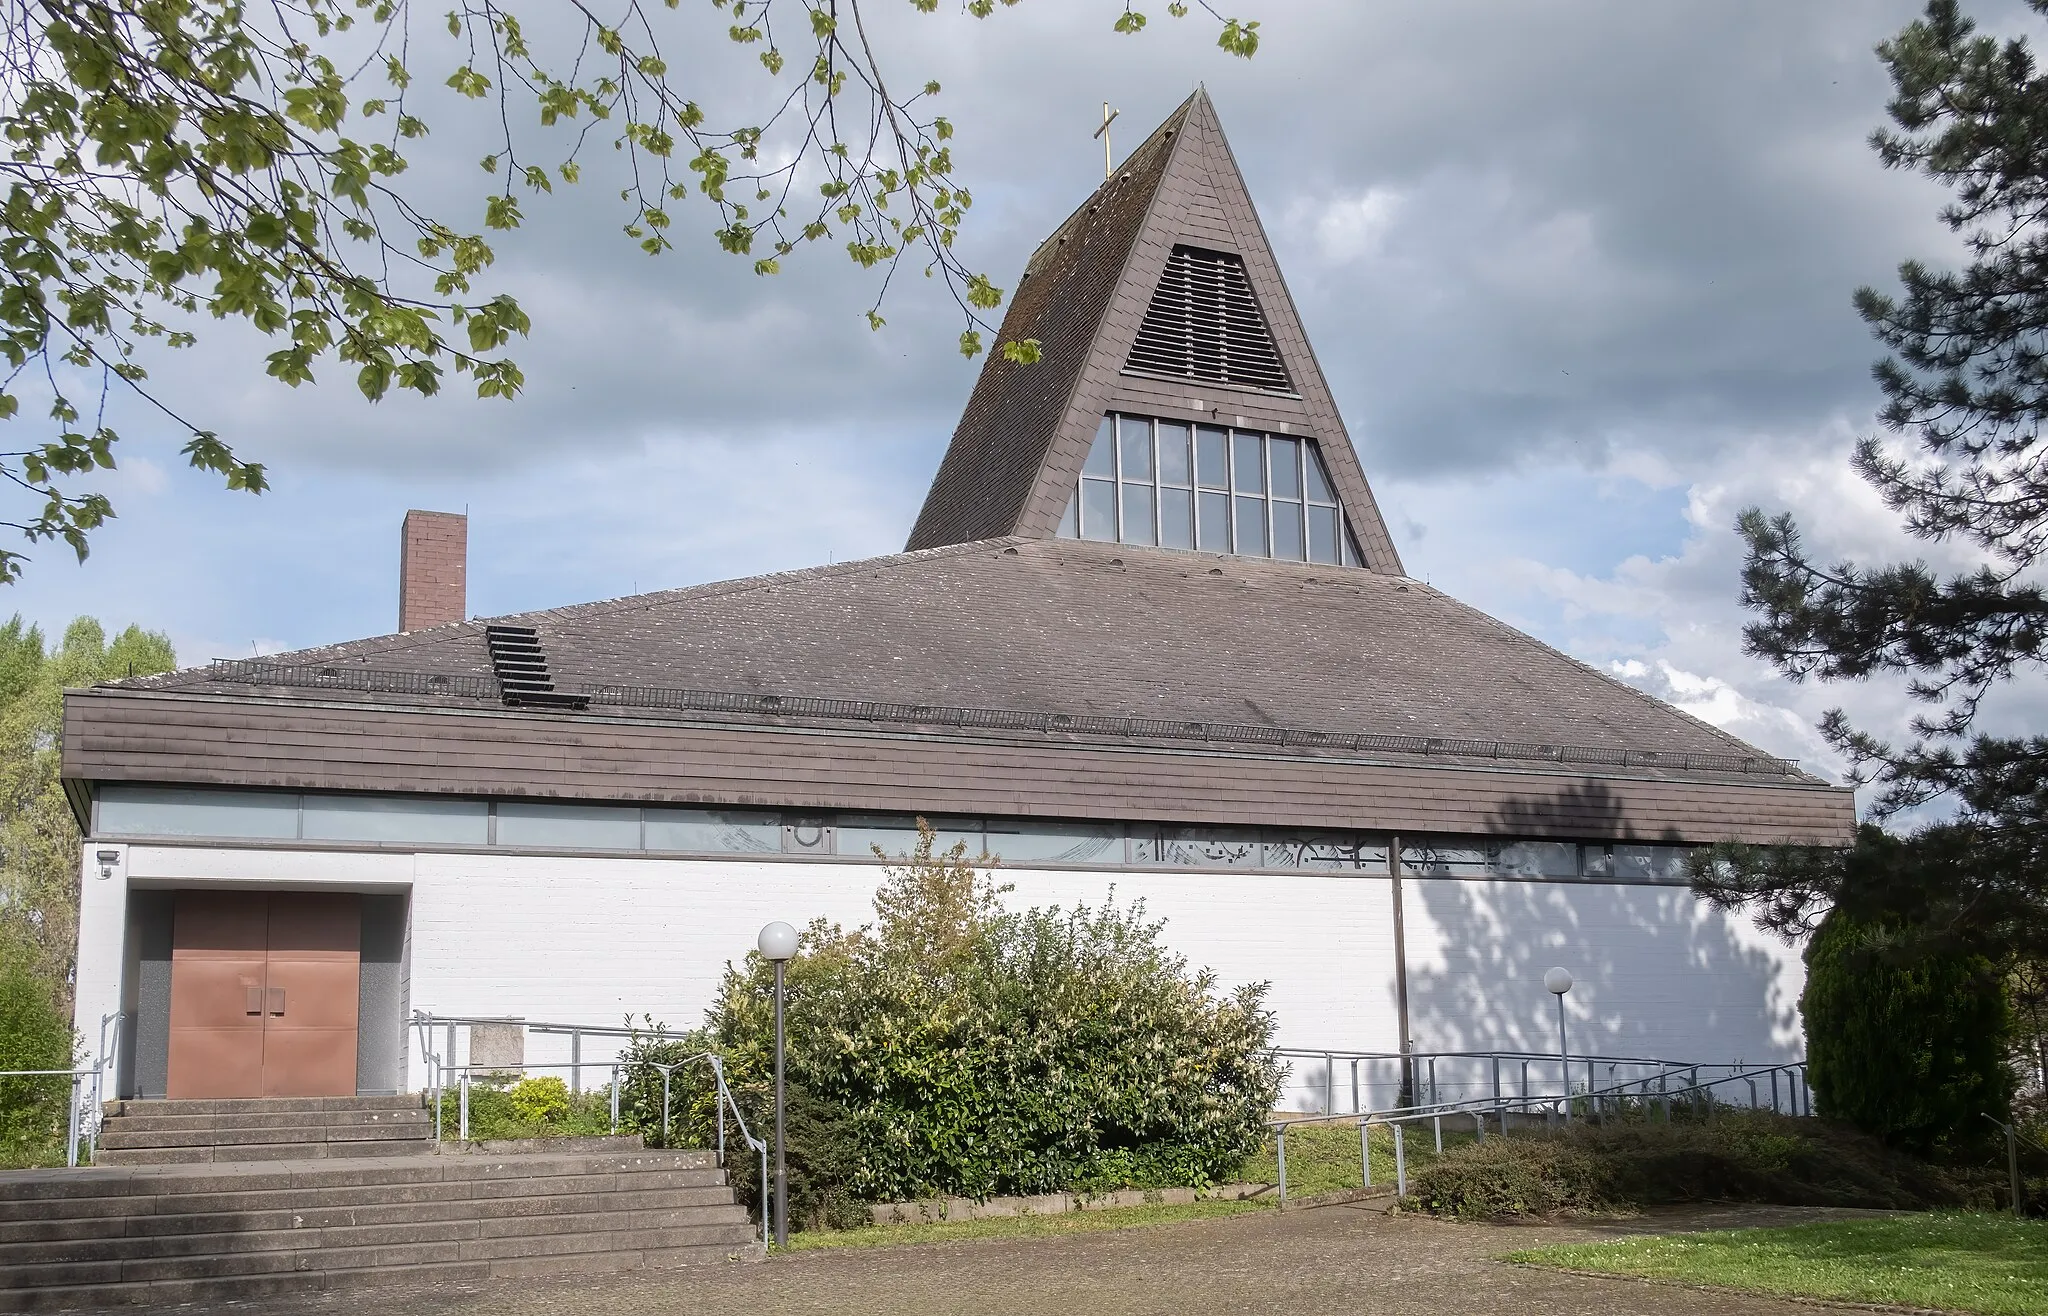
(1204, 323)
(523, 670)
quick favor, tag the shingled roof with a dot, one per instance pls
(1098, 632)
(997, 668)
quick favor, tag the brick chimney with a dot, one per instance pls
(433, 570)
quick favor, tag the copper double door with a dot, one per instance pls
(264, 993)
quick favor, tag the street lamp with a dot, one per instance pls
(778, 943)
(1557, 982)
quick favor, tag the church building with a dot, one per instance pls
(1149, 639)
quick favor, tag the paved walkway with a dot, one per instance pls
(1304, 1263)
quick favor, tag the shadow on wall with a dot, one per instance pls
(1658, 972)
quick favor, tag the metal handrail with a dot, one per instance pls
(77, 1126)
(1479, 1108)
(438, 1072)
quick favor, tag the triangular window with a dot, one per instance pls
(1204, 323)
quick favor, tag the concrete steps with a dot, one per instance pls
(279, 1128)
(206, 1232)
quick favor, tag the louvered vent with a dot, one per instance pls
(522, 669)
(1204, 323)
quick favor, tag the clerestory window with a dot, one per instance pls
(1170, 484)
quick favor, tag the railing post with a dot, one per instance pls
(576, 1061)
(462, 1124)
(1280, 1143)
(1497, 1103)
(615, 1096)
(71, 1123)
(665, 1071)
(1329, 1083)
(1400, 1163)
(1365, 1152)
(1774, 1092)
(1356, 1109)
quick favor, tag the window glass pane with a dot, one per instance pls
(1287, 531)
(1286, 455)
(1177, 518)
(1057, 843)
(1318, 479)
(1651, 863)
(1538, 859)
(1173, 453)
(1249, 460)
(1448, 859)
(1215, 527)
(396, 818)
(1098, 510)
(573, 826)
(1212, 458)
(897, 836)
(1135, 447)
(1322, 534)
(162, 811)
(1193, 847)
(1327, 853)
(709, 831)
(1070, 520)
(1351, 554)
(1102, 457)
(1138, 527)
(1251, 526)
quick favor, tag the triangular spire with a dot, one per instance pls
(1159, 298)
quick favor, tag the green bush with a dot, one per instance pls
(954, 1048)
(1912, 1052)
(542, 1100)
(34, 1112)
(1736, 1156)
(502, 1107)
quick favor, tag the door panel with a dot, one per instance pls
(218, 952)
(264, 994)
(312, 991)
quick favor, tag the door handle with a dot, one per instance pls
(255, 1003)
(277, 1000)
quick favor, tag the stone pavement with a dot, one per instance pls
(1319, 1261)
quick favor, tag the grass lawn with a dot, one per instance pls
(1023, 1226)
(1991, 1264)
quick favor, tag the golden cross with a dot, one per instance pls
(1108, 161)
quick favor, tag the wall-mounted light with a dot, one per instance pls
(108, 858)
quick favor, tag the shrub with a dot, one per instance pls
(1738, 1156)
(543, 1100)
(34, 1112)
(954, 1048)
(1912, 1051)
(500, 1107)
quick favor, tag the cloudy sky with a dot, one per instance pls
(1579, 272)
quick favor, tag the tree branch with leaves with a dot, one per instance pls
(174, 162)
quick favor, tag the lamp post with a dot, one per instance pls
(1557, 982)
(778, 943)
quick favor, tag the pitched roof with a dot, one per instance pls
(1018, 449)
(1146, 642)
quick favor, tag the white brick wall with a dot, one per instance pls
(585, 940)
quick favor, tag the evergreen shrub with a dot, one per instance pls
(1735, 1156)
(953, 1048)
(34, 1034)
(1911, 1050)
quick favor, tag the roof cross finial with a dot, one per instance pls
(1108, 161)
